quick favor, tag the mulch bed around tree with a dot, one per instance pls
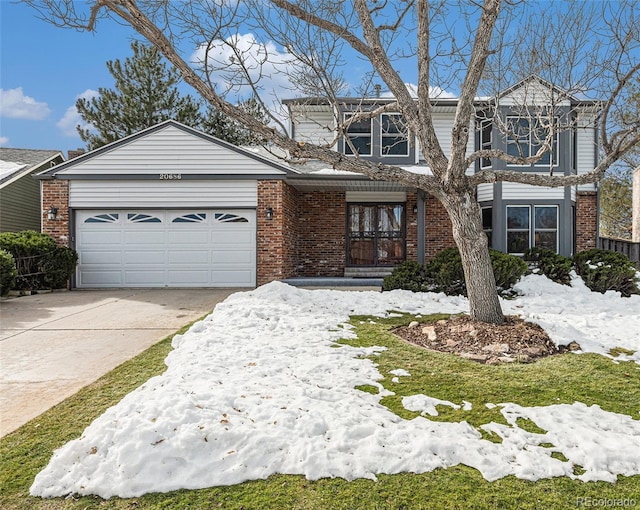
(514, 340)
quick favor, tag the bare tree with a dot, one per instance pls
(472, 48)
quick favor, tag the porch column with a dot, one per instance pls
(635, 204)
(421, 226)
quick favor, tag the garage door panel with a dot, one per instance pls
(104, 258)
(233, 278)
(198, 237)
(144, 277)
(235, 238)
(233, 257)
(101, 278)
(189, 257)
(187, 277)
(144, 257)
(211, 249)
(99, 237)
(144, 237)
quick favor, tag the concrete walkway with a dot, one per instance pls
(52, 345)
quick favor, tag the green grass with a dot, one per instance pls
(566, 378)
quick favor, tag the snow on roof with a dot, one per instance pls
(8, 168)
(255, 389)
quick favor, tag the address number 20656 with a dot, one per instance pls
(170, 177)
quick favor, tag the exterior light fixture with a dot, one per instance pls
(415, 208)
(269, 213)
(52, 213)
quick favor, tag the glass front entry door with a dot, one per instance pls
(375, 234)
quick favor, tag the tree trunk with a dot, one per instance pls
(465, 215)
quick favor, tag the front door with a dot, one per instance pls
(375, 234)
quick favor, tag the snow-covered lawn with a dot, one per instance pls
(260, 387)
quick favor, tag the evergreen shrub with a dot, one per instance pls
(507, 269)
(444, 273)
(554, 266)
(603, 270)
(8, 272)
(409, 275)
(40, 264)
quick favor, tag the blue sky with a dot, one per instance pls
(43, 70)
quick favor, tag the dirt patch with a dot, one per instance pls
(514, 340)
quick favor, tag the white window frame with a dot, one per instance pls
(531, 230)
(484, 144)
(392, 135)
(527, 230)
(535, 230)
(348, 136)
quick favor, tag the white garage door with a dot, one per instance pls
(166, 248)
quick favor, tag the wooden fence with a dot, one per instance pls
(630, 249)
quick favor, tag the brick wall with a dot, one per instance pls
(586, 218)
(321, 227)
(55, 193)
(438, 228)
(277, 237)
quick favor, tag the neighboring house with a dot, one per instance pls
(171, 206)
(19, 191)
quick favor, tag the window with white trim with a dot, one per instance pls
(525, 137)
(394, 135)
(545, 227)
(486, 129)
(518, 229)
(531, 226)
(358, 134)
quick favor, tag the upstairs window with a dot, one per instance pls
(358, 135)
(526, 136)
(394, 135)
(486, 129)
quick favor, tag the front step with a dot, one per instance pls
(367, 272)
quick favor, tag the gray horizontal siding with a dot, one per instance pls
(20, 205)
(171, 150)
(516, 191)
(166, 194)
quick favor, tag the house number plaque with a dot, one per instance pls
(170, 177)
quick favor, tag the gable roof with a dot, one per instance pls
(16, 163)
(168, 147)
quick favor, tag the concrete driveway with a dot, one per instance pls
(51, 345)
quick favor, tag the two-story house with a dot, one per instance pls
(171, 206)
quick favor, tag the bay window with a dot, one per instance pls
(531, 226)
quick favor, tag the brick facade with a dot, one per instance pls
(306, 237)
(439, 231)
(55, 193)
(586, 220)
(277, 238)
(322, 226)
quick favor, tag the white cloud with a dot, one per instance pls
(71, 117)
(15, 105)
(4, 141)
(264, 64)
